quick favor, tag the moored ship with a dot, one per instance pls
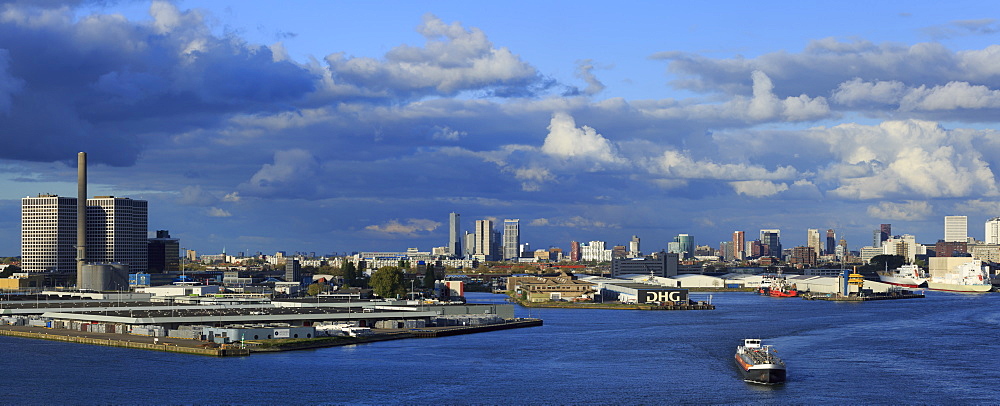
(971, 276)
(759, 363)
(779, 287)
(910, 276)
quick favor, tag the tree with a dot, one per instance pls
(9, 271)
(429, 277)
(880, 262)
(330, 270)
(387, 282)
(350, 273)
(313, 289)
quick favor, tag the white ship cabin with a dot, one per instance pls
(751, 343)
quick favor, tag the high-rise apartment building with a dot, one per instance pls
(511, 239)
(485, 242)
(726, 250)
(739, 245)
(993, 231)
(812, 240)
(956, 229)
(455, 235)
(116, 232)
(574, 251)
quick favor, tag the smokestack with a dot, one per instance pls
(81, 215)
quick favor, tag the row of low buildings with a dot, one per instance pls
(650, 288)
(227, 319)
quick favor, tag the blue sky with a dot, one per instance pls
(341, 126)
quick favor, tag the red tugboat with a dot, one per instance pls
(779, 287)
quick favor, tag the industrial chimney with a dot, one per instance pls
(81, 215)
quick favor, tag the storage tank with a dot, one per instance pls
(104, 277)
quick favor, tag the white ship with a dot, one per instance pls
(971, 276)
(910, 276)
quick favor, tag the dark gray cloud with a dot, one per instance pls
(101, 83)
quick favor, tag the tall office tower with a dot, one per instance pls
(993, 231)
(484, 239)
(683, 246)
(831, 242)
(633, 247)
(48, 234)
(511, 239)
(812, 240)
(455, 235)
(886, 230)
(164, 253)
(877, 238)
(116, 232)
(469, 245)
(574, 251)
(771, 240)
(497, 245)
(739, 245)
(956, 229)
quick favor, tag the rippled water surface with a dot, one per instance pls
(938, 350)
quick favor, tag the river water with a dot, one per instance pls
(939, 350)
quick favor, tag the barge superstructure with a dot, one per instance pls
(759, 363)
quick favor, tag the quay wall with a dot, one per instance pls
(212, 352)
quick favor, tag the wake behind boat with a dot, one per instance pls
(759, 363)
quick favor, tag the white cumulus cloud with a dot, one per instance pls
(908, 210)
(565, 140)
(758, 188)
(410, 227)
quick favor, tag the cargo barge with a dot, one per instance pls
(759, 363)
